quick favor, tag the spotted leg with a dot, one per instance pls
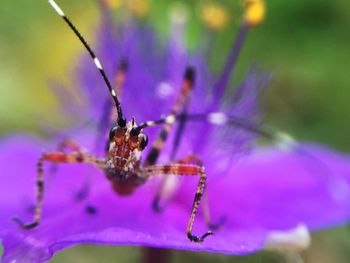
(181, 103)
(165, 191)
(167, 183)
(62, 147)
(182, 168)
(185, 93)
(54, 157)
(69, 144)
(165, 188)
(205, 203)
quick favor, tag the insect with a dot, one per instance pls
(123, 164)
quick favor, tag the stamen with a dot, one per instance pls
(178, 15)
(113, 4)
(254, 15)
(138, 8)
(214, 16)
(177, 48)
(231, 61)
(254, 12)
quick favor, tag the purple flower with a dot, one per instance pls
(269, 198)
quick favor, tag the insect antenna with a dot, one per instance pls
(121, 119)
(214, 118)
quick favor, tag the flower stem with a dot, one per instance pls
(155, 255)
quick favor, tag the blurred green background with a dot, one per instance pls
(305, 44)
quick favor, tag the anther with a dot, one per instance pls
(139, 8)
(113, 4)
(214, 16)
(254, 12)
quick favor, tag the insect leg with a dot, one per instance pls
(185, 93)
(204, 204)
(74, 147)
(53, 157)
(156, 148)
(179, 132)
(185, 170)
(62, 146)
(166, 185)
(69, 144)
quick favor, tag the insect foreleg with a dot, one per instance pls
(54, 157)
(184, 169)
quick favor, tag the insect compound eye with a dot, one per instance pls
(112, 133)
(135, 131)
(116, 132)
(143, 139)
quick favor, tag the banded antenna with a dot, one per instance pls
(121, 119)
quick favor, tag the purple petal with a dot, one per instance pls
(270, 190)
